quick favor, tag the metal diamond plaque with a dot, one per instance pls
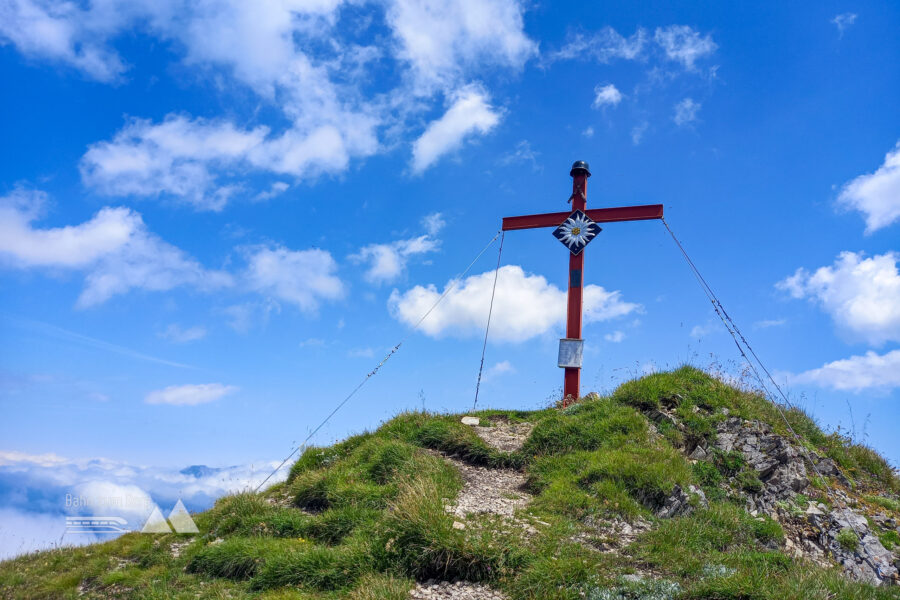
(576, 232)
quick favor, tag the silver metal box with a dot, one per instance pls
(570, 352)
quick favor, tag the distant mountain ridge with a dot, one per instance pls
(200, 471)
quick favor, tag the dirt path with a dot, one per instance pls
(461, 590)
(485, 491)
(492, 491)
(506, 437)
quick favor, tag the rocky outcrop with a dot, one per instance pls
(778, 464)
(843, 534)
(846, 535)
(682, 503)
(828, 468)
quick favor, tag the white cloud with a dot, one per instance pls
(525, 306)
(588, 133)
(767, 323)
(678, 43)
(470, 113)
(59, 31)
(433, 223)
(307, 58)
(25, 531)
(361, 353)
(39, 493)
(174, 333)
(173, 157)
(521, 155)
(638, 131)
(387, 262)
(606, 95)
(72, 246)
(189, 395)
(443, 40)
(10, 457)
(857, 373)
(181, 157)
(683, 44)
(302, 277)
(504, 367)
(862, 295)
(258, 45)
(277, 188)
(843, 21)
(126, 500)
(255, 42)
(615, 337)
(877, 195)
(701, 331)
(604, 46)
(114, 248)
(242, 317)
(159, 482)
(147, 263)
(686, 111)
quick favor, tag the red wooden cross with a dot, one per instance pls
(580, 173)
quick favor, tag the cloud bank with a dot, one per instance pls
(862, 295)
(37, 493)
(114, 250)
(525, 306)
(871, 371)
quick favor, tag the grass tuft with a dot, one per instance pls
(419, 539)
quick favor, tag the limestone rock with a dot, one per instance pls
(682, 503)
(828, 468)
(812, 509)
(659, 417)
(870, 562)
(610, 535)
(778, 464)
(699, 453)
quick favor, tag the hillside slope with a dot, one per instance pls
(674, 486)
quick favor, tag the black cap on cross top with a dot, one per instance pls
(580, 166)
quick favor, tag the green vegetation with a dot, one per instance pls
(892, 504)
(366, 518)
(889, 539)
(847, 539)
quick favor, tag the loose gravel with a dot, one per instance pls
(460, 590)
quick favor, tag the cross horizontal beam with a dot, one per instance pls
(643, 212)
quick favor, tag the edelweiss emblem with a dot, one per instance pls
(576, 232)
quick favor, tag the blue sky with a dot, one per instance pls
(216, 218)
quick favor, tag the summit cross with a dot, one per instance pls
(575, 229)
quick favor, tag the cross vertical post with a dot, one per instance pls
(575, 229)
(572, 377)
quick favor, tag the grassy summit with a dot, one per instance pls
(367, 518)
